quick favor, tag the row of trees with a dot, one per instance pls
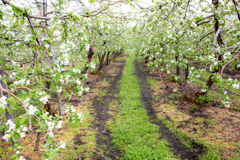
(45, 48)
(174, 33)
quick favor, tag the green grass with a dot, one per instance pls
(132, 133)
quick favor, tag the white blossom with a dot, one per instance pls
(80, 115)
(62, 145)
(236, 86)
(3, 102)
(5, 137)
(22, 134)
(44, 99)
(21, 158)
(59, 125)
(31, 110)
(24, 129)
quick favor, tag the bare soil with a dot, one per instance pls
(101, 108)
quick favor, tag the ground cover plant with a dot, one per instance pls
(119, 79)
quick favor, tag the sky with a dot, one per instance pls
(126, 8)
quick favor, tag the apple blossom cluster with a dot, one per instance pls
(12, 130)
(3, 102)
(73, 114)
(24, 81)
(44, 99)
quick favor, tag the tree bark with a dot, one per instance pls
(89, 59)
(101, 63)
(8, 115)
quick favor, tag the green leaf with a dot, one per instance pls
(44, 126)
(1, 14)
(22, 21)
(2, 127)
(9, 149)
(14, 156)
(21, 147)
(55, 154)
(23, 120)
(15, 138)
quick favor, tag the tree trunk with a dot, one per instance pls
(186, 73)
(89, 59)
(8, 115)
(210, 81)
(101, 63)
(177, 67)
(107, 62)
(37, 141)
(60, 106)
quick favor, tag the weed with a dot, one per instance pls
(104, 138)
(235, 108)
(104, 146)
(175, 96)
(192, 108)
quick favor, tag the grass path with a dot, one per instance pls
(132, 133)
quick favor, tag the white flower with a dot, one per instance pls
(44, 99)
(21, 158)
(50, 126)
(226, 104)
(24, 129)
(203, 90)
(27, 102)
(78, 82)
(5, 137)
(59, 125)
(18, 131)
(238, 65)
(86, 75)
(27, 37)
(3, 102)
(225, 92)
(198, 76)
(86, 89)
(174, 90)
(31, 110)
(17, 152)
(11, 124)
(168, 72)
(80, 115)
(47, 46)
(51, 134)
(210, 69)
(236, 86)
(62, 145)
(215, 63)
(230, 79)
(59, 90)
(93, 65)
(22, 134)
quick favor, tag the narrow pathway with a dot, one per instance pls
(147, 100)
(101, 116)
(132, 133)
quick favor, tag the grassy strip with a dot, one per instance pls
(212, 151)
(131, 131)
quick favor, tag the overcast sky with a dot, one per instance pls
(126, 8)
